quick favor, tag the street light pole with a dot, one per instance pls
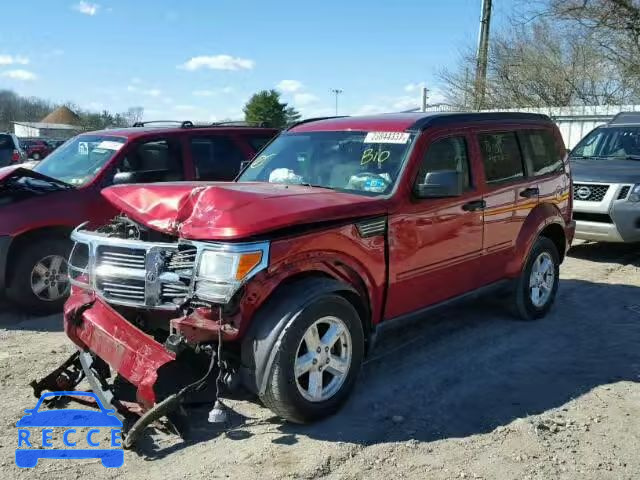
(336, 92)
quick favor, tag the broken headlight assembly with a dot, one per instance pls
(158, 275)
(220, 273)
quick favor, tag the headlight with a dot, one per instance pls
(78, 266)
(634, 196)
(221, 273)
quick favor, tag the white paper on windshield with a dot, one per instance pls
(110, 145)
(83, 148)
(387, 137)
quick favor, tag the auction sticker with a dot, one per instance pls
(109, 145)
(387, 137)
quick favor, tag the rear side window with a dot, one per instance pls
(501, 156)
(257, 142)
(216, 158)
(6, 142)
(540, 152)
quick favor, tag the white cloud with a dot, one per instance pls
(86, 8)
(406, 102)
(289, 86)
(11, 60)
(211, 93)
(19, 74)
(368, 109)
(136, 80)
(414, 87)
(303, 99)
(217, 62)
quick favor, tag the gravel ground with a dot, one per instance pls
(467, 393)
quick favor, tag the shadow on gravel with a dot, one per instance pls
(13, 319)
(471, 369)
(605, 252)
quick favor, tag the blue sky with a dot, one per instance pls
(202, 60)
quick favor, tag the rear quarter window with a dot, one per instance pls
(540, 152)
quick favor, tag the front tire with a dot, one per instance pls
(317, 361)
(537, 286)
(40, 281)
(36, 156)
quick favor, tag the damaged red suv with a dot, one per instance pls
(280, 281)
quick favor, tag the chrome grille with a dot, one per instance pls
(122, 290)
(588, 192)
(121, 257)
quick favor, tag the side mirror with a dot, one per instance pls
(443, 183)
(121, 178)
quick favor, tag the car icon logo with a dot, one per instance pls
(36, 435)
(583, 193)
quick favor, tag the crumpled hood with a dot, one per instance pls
(227, 211)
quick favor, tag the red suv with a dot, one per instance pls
(40, 207)
(36, 149)
(337, 228)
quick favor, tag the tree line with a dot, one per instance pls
(556, 53)
(16, 108)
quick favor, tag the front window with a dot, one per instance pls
(79, 160)
(367, 163)
(610, 143)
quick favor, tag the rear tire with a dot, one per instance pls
(339, 347)
(39, 282)
(36, 156)
(537, 285)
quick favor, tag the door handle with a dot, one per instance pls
(530, 192)
(474, 206)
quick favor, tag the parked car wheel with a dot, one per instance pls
(35, 156)
(537, 285)
(317, 361)
(40, 282)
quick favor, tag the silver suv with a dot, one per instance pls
(606, 181)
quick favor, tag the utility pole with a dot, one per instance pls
(336, 92)
(483, 53)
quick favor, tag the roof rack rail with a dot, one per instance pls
(183, 123)
(625, 118)
(313, 119)
(240, 123)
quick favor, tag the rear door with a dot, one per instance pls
(509, 196)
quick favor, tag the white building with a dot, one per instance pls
(45, 130)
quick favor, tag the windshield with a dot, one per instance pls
(79, 160)
(357, 162)
(610, 142)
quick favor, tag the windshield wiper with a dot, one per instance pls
(315, 186)
(33, 182)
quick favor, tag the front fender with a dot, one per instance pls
(261, 342)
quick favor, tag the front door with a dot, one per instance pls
(435, 244)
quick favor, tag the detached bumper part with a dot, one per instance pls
(132, 353)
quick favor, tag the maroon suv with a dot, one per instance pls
(40, 207)
(282, 280)
(36, 149)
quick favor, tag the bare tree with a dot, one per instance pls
(541, 64)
